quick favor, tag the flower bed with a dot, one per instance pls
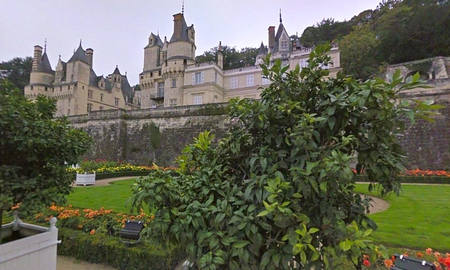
(440, 260)
(416, 176)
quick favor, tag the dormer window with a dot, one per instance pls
(284, 45)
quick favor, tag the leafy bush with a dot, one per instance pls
(278, 191)
(33, 150)
(99, 248)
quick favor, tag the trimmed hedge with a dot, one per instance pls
(413, 179)
(110, 250)
(100, 176)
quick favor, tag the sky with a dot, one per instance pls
(118, 30)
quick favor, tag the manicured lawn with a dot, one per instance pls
(418, 218)
(111, 197)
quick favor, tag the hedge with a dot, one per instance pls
(111, 251)
(413, 179)
(100, 176)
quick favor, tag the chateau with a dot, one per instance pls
(170, 75)
(76, 87)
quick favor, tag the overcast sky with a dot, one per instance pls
(118, 30)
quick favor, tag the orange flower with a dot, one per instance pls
(92, 232)
(406, 254)
(428, 251)
(388, 263)
(80, 226)
(366, 263)
(14, 207)
(437, 255)
(419, 254)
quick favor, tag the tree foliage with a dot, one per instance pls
(17, 71)
(34, 151)
(359, 51)
(278, 190)
(232, 58)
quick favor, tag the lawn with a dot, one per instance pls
(111, 197)
(417, 219)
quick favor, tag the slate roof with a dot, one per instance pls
(45, 66)
(116, 71)
(93, 78)
(280, 31)
(157, 43)
(184, 32)
(262, 50)
(127, 90)
(79, 55)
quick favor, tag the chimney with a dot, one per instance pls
(271, 36)
(90, 56)
(37, 57)
(177, 25)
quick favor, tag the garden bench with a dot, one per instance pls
(131, 233)
(407, 263)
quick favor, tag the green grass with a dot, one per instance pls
(111, 197)
(418, 218)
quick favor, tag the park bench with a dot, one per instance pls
(131, 233)
(407, 263)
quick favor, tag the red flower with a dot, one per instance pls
(428, 251)
(447, 262)
(388, 263)
(366, 263)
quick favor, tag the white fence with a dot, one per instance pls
(37, 250)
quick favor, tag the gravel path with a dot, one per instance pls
(68, 263)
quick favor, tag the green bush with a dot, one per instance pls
(110, 250)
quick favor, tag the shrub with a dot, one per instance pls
(278, 190)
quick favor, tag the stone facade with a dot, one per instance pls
(171, 77)
(76, 87)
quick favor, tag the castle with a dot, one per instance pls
(170, 76)
(76, 87)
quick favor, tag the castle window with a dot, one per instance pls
(265, 81)
(303, 63)
(90, 93)
(116, 101)
(215, 77)
(159, 73)
(198, 78)
(160, 89)
(184, 62)
(31, 87)
(173, 102)
(60, 88)
(89, 107)
(234, 83)
(46, 89)
(151, 74)
(249, 80)
(68, 87)
(284, 45)
(82, 87)
(197, 100)
(101, 97)
(101, 108)
(174, 83)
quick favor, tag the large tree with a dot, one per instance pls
(359, 51)
(17, 71)
(35, 149)
(278, 191)
(232, 58)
